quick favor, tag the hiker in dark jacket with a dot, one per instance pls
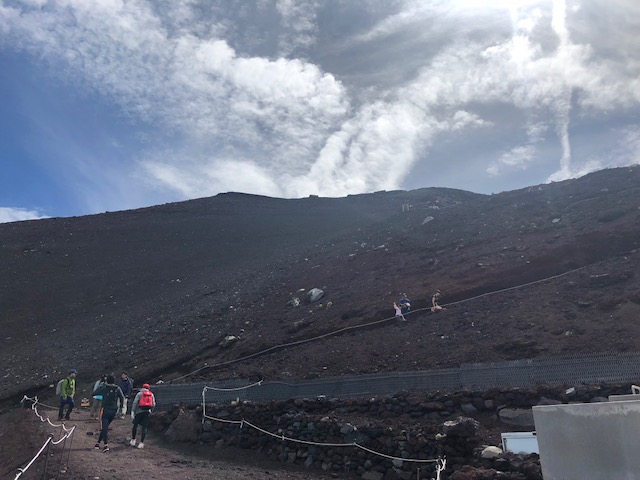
(111, 393)
(141, 409)
(126, 385)
(405, 304)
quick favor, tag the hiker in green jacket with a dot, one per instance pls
(67, 392)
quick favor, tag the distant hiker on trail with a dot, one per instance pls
(405, 304)
(126, 385)
(141, 409)
(434, 302)
(67, 389)
(96, 400)
(111, 393)
(398, 312)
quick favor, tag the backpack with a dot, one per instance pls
(110, 396)
(146, 400)
(59, 387)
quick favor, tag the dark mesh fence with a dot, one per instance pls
(595, 368)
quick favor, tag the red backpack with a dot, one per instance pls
(146, 400)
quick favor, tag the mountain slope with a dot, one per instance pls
(155, 290)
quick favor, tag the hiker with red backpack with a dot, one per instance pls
(141, 409)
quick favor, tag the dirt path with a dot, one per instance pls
(157, 460)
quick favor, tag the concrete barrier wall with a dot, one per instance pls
(589, 441)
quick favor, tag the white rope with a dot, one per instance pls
(68, 432)
(67, 435)
(236, 422)
(295, 440)
(283, 438)
(256, 384)
(34, 407)
(24, 469)
(440, 467)
(411, 460)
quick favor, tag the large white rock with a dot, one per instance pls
(491, 452)
(314, 295)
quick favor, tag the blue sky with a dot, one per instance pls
(109, 105)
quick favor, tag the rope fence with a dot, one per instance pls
(49, 442)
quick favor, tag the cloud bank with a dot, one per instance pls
(18, 214)
(290, 98)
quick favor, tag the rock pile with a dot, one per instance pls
(399, 429)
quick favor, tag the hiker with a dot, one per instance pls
(110, 393)
(126, 385)
(141, 409)
(434, 302)
(67, 391)
(398, 312)
(405, 304)
(96, 400)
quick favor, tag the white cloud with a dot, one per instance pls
(229, 119)
(518, 157)
(301, 29)
(8, 214)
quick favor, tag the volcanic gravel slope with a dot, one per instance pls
(155, 290)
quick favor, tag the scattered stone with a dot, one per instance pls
(517, 416)
(347, 428)
(461, 427)
(228, 340)
(294, 302)
(468, 409)
(314, 295)
(491, 452)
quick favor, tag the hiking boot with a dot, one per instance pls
(132, 442)
(97, 446)
(105, 449)
(141, 445)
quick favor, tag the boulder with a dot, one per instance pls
(522, 417)
(185, 428)
(314, 295)
(468, 409)
(228, 340)
(461, 427)
(491, 452)
(347, 428)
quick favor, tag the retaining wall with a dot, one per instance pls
(569, 370)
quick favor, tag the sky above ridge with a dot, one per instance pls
(110, 104)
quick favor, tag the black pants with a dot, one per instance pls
(63, 402)
(142, 419)
(107, 416)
